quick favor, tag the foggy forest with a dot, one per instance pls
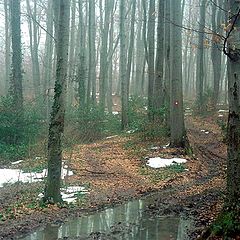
(120, 119)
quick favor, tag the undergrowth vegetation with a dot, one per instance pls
(82, 125)
(226, 224)
(18, 136)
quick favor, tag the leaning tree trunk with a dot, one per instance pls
(56, 128)
(176, 95)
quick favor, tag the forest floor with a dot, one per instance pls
(115, 171)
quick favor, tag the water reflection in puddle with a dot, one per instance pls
(126, 222)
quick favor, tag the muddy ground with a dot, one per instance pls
(115, 171)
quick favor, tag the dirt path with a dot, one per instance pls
(115, 171)
(202, 197)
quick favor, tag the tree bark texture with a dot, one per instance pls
(56, 128)
(233, 165)
(176, 95)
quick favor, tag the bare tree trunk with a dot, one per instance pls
(139, 53)
(34, 42)
(91, 87)
(71, 67)
(48, 57)
(131, 45)
(81, 75)
(56, 128)
(110, 64)
(103, 55)
(158, 86)
(178, 133)
(123, 62)
(233, 165)
(16, 79)
(216, 53)
(7, 46)
(167, 66)
(200, 58)
(151, 52)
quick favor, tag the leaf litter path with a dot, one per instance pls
(201, 197)
(115, 171)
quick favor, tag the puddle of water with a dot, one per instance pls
(162, 162)
(126, 222)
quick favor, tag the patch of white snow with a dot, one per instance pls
(17, 162)
(69, 193)
(222, 111)
(163, 162)
(18, 175)
(111, 136)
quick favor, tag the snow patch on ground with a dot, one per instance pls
(164, 162)
(18, 175)
(69, 194)
(222, 111)
(17, 162)
(205, 131)
(132, 131)
(158, 147)
(111, 136)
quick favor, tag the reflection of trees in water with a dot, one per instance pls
(51, 233)
(128, 222)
